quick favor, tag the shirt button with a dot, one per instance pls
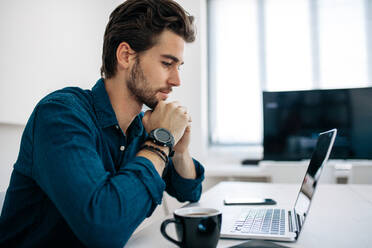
(122, 148)
(117, 127)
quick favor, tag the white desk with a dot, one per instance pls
(279, 171)
(326, 226)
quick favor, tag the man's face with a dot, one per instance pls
(155, 71)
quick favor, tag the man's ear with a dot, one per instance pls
(125, 55)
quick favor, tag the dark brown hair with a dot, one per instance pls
(139, 23)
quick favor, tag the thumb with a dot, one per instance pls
(188, 128)
(146, 117)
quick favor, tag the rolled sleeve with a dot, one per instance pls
(182, 188)
(147, 174)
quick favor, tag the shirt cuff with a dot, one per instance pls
(182, 188)
(147, 174)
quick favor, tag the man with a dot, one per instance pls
(91, 166)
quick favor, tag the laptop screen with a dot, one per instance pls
(318, 159)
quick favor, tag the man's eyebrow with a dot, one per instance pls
(175, 59)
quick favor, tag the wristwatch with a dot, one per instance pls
(162, 137)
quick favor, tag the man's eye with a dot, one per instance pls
(166, 64)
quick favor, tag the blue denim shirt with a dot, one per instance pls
(74, 184)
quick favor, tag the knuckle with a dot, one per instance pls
(172, 105)
(185, 117)
(179, 111)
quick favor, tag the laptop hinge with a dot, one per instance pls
(294, 226)
(299, 222)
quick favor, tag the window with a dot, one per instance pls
(256, 45)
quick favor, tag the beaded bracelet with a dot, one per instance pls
(157, 151)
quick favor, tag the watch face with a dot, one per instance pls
(162, 135)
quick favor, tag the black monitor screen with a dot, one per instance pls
(293, 120)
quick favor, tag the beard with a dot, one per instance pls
(140, 88)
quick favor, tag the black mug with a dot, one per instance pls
(195, 227)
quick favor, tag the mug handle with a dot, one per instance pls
(164, 233)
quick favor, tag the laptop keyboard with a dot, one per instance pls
(261, 221)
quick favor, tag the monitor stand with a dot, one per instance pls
(253, 162)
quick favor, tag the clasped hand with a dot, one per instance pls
(173, 117)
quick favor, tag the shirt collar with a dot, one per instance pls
(136, 127)
(102, 105)
(105, 113)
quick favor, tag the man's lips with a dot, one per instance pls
(165, 93)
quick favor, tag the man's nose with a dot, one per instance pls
(174, 78)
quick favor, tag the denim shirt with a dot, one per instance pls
(77, 180)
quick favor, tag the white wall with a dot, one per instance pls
(46, 45)
(10, 137)
(43, 49)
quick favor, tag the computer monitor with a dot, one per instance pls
(293, 119)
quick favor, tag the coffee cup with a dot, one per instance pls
(195, 227)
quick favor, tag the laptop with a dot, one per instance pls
(275, 223)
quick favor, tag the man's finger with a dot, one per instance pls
(182, 110)
(146, 116)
